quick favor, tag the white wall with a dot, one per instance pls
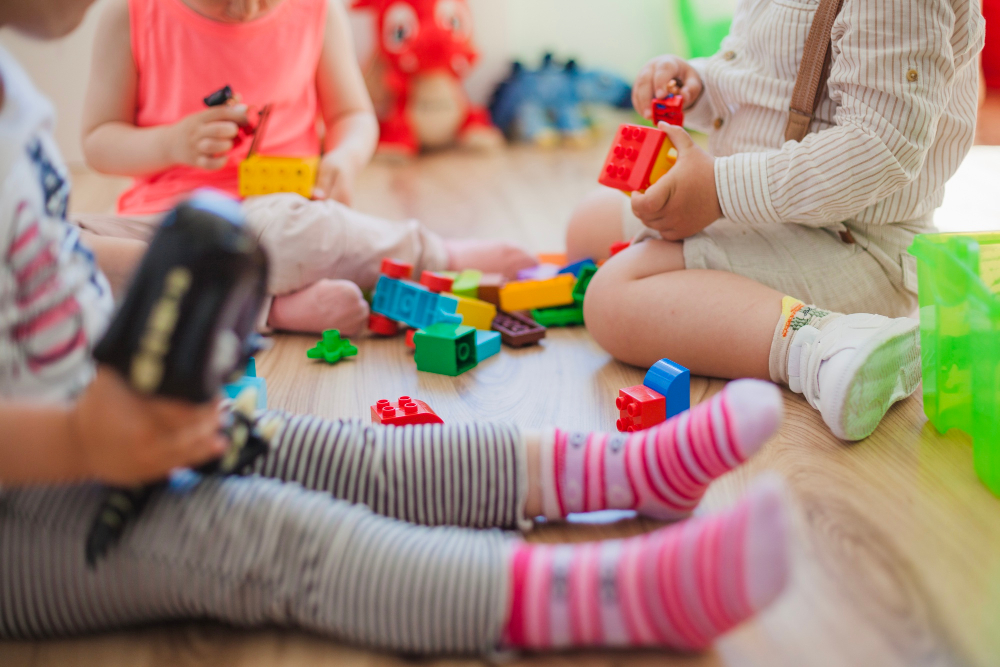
(617, 34)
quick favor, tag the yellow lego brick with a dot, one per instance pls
(664, 162)
(475, 313)
(263, 175)
(536, 294)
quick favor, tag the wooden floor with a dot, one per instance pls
(897, 544)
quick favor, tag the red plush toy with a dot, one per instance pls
(426, 50)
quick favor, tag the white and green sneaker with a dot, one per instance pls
(855, 369)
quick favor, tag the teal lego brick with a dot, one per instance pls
(487, 344)
(249, 380)
(412, 304)
(446, 349)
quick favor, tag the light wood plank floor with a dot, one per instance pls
(897, 544)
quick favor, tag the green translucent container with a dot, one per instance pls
(959, 278)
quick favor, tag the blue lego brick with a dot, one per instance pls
(674, 382)
(576, 267)
(249, 380)
(487, 344)
(413, 305)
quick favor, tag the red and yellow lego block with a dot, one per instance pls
(639, 157)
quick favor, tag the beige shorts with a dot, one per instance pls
(875, 274)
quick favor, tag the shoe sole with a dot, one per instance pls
(887, 372)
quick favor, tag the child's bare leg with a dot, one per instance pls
(326, 304)
(595, 225)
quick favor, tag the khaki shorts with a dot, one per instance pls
(875, 274)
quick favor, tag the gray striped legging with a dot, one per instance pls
(288, 547)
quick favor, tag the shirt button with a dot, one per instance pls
(729, 55)
(719, 123)
(912, 76)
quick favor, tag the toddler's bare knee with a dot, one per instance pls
(595, 225)
(606, 313)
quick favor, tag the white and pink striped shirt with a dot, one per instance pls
(894, 123)
(54, 302)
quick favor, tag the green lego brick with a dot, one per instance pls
(488, 344)
(467, 284)
(566, 316)
(332, 348)
(446, 349)
(583, 282)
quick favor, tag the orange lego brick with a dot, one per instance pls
(537, 294)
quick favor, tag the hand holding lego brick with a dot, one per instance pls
(204, 139)
(337, 174)
(685, 200)
(654, 82)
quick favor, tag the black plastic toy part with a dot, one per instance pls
(186, 327)
(219, 97)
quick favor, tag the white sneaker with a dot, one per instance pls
(856, 369)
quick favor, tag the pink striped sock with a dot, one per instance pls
(663, 472)
(680, 587)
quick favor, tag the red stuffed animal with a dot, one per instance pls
(426, 50)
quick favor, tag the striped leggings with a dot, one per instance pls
(317, 540)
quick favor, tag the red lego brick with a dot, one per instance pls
(409, 339)
(397, 270)
(436, 282)
(382, 326)
(633, 154)
(640, 408)
(618, 247)
(404, 412)
(669, 110)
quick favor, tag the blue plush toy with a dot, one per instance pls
(548, 104)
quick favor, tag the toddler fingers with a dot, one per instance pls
(214, 147)
(665, 73)
(679, 137)
(220, 129)
(211, 163)
(235, 114)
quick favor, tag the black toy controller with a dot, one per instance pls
(187, 327)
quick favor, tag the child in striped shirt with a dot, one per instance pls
(827, 220)
(387, 537)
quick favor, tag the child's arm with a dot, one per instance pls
(110, 434)
(351, 126)
(113, 144)
(117, 258)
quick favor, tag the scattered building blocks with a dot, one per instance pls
(332, 348)
(489, 288)
(467, 284)
(397, 270)
(249, 380)
(404, 412)
(409, 339)
(576, 267)
(669, 110)
(475, 313)
(412, 304)
(564, 316)
(382, 326)
(583, 283)
(557, 258)
(539, 272)
(537, 294)
(518, 330)
(673, 381)
(640, 408)
(436, 282)
(618, 247)
(487, 345)
(446, 349)
(638, 158)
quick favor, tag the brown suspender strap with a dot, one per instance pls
(813, 72)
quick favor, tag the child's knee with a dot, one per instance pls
(596, 224)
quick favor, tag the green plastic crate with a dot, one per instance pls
(959, 278)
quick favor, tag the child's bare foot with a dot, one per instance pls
(326, 304)
(489, 257)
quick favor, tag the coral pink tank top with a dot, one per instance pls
(182, 57)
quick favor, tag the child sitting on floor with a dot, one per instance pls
(318, 539)
(827, 219)
(156, 60)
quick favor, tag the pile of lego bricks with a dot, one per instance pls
(454, 321)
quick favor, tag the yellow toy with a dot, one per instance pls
(265, 175)
(537, 294)
(475, 313)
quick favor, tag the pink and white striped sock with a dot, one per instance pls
(663, 472)
(680, 587)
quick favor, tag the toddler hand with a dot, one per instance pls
(685, 201)
(124, 439)
(204, 139)
(654, 79)
(337, 174)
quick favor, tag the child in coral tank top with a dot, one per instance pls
(155, 62)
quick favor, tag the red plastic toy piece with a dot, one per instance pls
(436, 282)
(382, 326)
(633, 155)
(669, 110)
(618, 247)
(405, 412)
(409, 339)
(397, 270)
(640, 408)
